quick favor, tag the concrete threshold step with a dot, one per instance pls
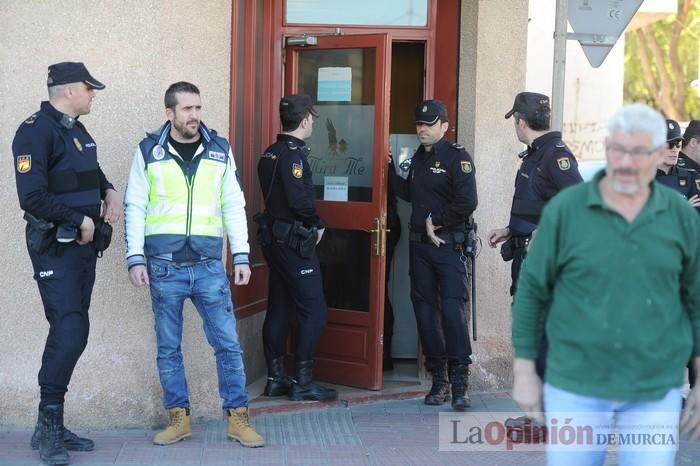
(347, 396)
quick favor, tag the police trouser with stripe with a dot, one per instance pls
(439, 295)
(65, 275)
(295, 288)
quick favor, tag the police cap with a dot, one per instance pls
(692, 131)
(295, 104)
(530, 104)
(71, 72)
(429, 112)
(673, 131)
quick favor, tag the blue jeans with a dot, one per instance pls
(632, 420)
(206, 284)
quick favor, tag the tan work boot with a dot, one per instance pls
(239, 428)
(178, 427)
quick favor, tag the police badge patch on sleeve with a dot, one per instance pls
(158, 152)
(564, 163)
(297, 170)
(466, 166)
(24, 163)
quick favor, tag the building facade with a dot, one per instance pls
(366, 78)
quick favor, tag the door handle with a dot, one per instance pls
(379, 235)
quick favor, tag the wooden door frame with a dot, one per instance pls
(441, 38)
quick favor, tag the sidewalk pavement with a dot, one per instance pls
(393, 432)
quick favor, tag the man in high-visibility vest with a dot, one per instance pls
(183, 191)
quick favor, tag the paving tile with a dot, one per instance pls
(138, 455)
(383, 433)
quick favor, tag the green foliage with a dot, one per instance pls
(635, 87)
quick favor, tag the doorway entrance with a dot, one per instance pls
(407, 87)
(347, 77)
(365, 79)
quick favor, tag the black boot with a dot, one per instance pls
(277, 381)
(51, 448)
(440, 391)
(71, 441)
(459, 377)
(304, 389)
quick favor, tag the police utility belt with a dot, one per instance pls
(43, 235)
(515, 245)
(294, 234)
(456, 238)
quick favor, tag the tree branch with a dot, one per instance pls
(647, 72)
(680, 93)
(665, 95)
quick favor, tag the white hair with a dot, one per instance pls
(639, 118)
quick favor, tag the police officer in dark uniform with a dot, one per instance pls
(442, 191)
(61, 188)
(677, 174)
(288, 231)
(690, 150)
(689, 158)
(683, 180)
(548, 166)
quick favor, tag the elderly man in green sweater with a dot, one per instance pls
(619, 258)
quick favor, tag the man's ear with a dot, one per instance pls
(68, 92)
(169, 113)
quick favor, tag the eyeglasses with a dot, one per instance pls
(672, 144)
(638, 152)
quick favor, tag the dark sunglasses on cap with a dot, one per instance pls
(676, 143)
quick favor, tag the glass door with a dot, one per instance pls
(348, 78)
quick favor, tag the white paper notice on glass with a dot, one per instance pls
(334, 84)
(335, 188)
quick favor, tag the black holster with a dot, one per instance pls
(102, 237)
(41, 235)
(514, 247)
(264, 234)
(508, 250)
(306, 238)
(298, 237)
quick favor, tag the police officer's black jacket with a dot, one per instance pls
(286, 182)
(686, 162)
(441, 184)
(57, 174)
(682, 180)
(548, 166)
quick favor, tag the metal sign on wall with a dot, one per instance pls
(597, 25)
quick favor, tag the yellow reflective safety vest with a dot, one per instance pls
(183, 208)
